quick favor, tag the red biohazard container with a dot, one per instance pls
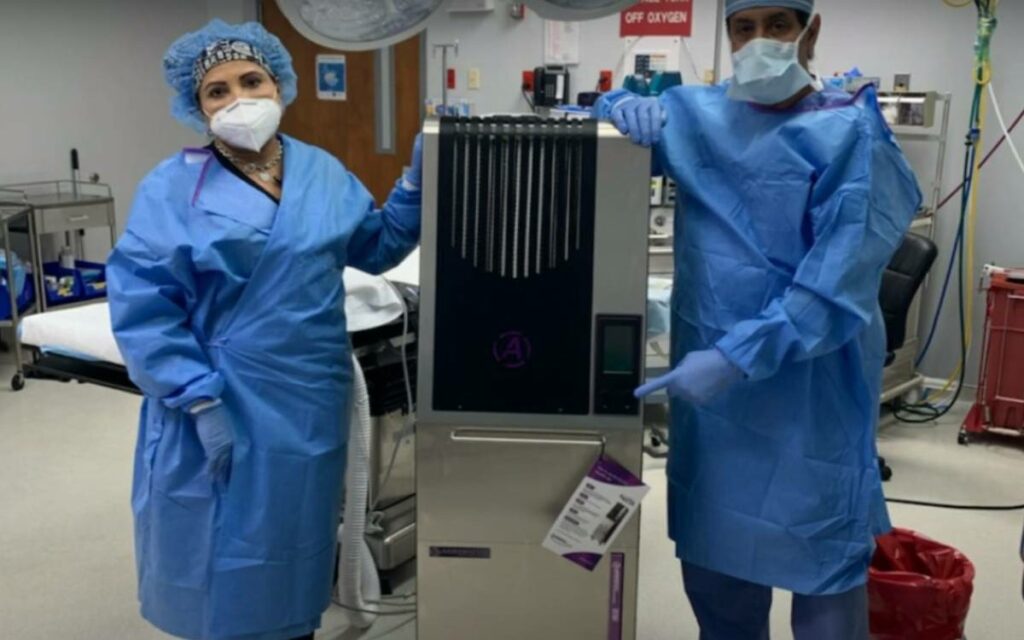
(918, 589)
(1000, 401)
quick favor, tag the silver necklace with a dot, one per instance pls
(262, 170)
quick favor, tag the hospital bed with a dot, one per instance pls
(78, 344)
(75, 344)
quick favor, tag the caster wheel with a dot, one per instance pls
(18, 382)
(884, 470)
(963, 439)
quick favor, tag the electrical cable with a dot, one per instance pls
(986, 27)
(957, 243)
(926, 412)
(983, 77)
(529, 100)
(404, 612)
(963, 247)
(984, 162)
(410, 423)
(959, 507)
(954, 193)
(394, 596)
(1002, 125)
(942, 297)
(389, 633)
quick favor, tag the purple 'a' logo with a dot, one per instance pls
(512, 350)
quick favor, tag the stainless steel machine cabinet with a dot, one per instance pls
(532, 320)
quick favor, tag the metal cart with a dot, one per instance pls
(38, 209)
(64, 207)
(17, 218)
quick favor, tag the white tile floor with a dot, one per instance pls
(66, 567)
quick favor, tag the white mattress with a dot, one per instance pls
(84, 332)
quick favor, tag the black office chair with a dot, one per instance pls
(900, 283)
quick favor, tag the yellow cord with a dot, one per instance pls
(983, 77)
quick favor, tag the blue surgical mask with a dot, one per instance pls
(768, 71)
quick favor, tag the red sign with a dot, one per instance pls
(657, 18)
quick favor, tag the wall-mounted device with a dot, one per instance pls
(550, 85)
(908, 109)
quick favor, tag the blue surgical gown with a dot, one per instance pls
(785, 223)
(218, 291)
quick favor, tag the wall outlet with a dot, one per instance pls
(474, 78)
(528, 81)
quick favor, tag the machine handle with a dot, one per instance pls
(78, 218)
(404, 531)
(527, 437)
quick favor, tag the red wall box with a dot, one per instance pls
(1000, 401)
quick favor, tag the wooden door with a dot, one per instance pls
(348, 129)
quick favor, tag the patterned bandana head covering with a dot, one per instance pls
(221, 51)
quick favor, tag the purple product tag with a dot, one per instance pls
(588, 561)
(610, 472)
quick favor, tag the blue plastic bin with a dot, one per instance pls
(93, 276)
(56, 298)
(25, 300)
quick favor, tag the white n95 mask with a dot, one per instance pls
(247, 123)
(768, 71)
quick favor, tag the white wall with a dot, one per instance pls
(925, 38)
(502, 48)
(87, 74)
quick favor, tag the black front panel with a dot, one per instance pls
(515, 263)
(619, 361)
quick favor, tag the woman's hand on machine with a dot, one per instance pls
(413, 177)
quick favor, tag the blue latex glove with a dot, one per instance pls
(639, 118)
(698, 379)
(214, 428)
(414, 174)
